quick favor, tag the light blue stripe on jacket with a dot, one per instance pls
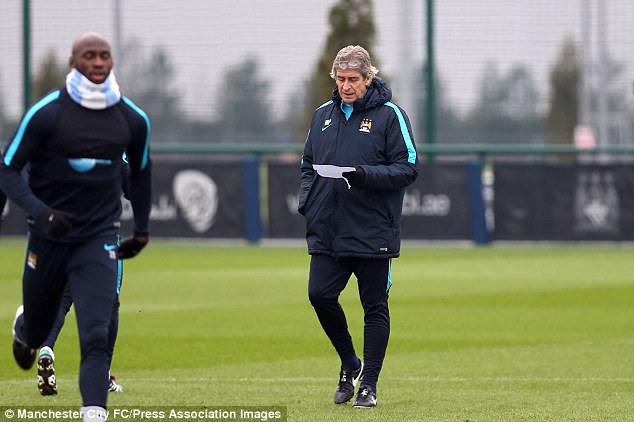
(146, 150)
(17, 140)
(411, 151)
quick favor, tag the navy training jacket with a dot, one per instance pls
(362, 221)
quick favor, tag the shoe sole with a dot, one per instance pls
(45, 389)
(46, 382)
(360, 406)
(344, 401)
(363, 406)
(24, 356)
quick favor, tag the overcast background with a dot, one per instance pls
(204, 38)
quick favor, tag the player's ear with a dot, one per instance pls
(71, 61)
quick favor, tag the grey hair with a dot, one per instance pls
(353, 57)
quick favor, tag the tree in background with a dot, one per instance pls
(620, 114)
(243, 106)
(351, 22)
(50, 75)
(152, 88)
(148, 79)
(620, 118)
(448, 124)
(506, 111)
(561, 117)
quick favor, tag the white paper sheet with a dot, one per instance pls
(333, 172)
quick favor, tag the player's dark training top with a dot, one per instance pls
(75, 157)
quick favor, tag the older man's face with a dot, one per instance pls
(351, 85)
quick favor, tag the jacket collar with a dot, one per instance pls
(378, 93)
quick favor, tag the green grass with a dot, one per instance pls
(543, 333)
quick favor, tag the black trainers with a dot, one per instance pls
(365, 398)
(347, 381)
(46, 382)
(23, 354)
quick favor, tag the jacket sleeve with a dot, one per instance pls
(308, 175)
(139, 169)
(31, 133)
(3, 202)
(401, 168)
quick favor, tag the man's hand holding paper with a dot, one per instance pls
(333, 172)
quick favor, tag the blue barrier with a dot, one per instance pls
(251, 183)
(479, 232)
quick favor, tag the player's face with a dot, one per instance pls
(351, 85)
(93, 58)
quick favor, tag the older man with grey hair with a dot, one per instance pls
(358, 158)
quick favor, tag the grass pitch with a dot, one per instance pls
(542, 333)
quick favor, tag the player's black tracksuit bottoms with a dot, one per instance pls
(92, 273)
(64, 308)
(328, 277)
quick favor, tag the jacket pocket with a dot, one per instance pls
(388, 210)
(303, 198)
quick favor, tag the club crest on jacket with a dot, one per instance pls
(366, 125)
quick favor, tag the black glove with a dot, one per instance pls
(131, 247)
(56, 223)
(355, 178)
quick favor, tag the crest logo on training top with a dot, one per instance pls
(366, 125)
(31, 260)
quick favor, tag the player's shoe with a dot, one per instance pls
(347, 381)
(365, 398)
(114, 386)
(23, 354)
(46, 382)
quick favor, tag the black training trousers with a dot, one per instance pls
(64, 308)
(92, 272)
(328, 277)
